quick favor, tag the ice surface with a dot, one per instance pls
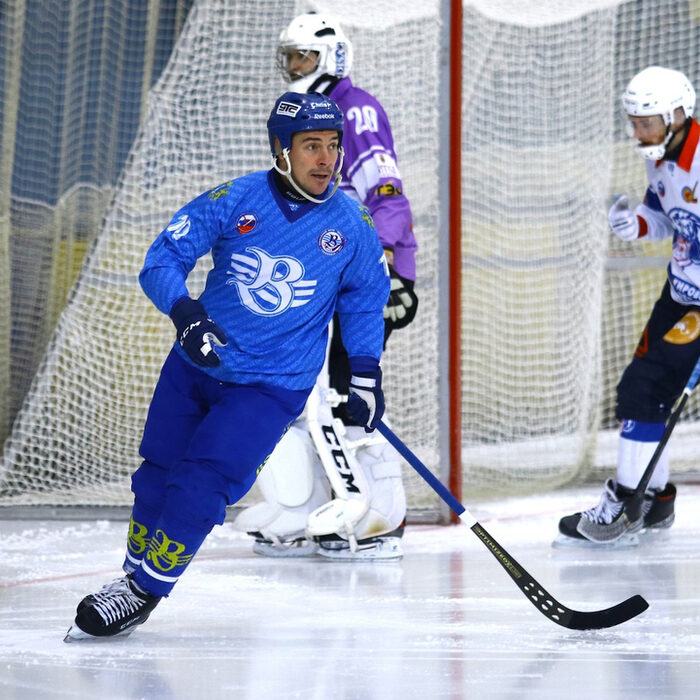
(446, 622)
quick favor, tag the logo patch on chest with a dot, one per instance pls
(689, 195)
(246, 223)
(331, 241)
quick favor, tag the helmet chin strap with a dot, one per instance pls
(306, 83)
(303, 193)
(658, 151)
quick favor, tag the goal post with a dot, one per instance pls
(550, 305)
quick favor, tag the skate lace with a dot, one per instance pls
(608, 507)
(117, 602)
(115, 585)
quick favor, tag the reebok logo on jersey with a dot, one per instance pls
(180, 227)
(288, 109)
(269, 285)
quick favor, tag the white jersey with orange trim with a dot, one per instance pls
(671, 207)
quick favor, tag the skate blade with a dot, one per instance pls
(75, 634)
(627, 541)
(393, 552)
(292, 551)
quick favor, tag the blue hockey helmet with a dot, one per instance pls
(295, 111)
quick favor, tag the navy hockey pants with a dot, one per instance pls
(662, 363)
(203, 444)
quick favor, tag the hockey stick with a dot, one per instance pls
(543, 601)
(631, 518)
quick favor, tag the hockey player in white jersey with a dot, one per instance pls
(315, 55)
(659, 103)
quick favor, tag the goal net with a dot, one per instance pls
(551, 305)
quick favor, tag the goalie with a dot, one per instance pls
(325, 458)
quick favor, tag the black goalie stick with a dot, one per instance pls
(538, 596)
(632, 518)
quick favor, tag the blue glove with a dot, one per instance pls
(196, 332)
(366, 400)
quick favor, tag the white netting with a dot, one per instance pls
(552, 306)
(76, 438)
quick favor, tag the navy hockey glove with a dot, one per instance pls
(196, 332)
(366, 400)
(403, 302)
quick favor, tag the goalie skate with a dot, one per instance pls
(382, 548)
(283, 549)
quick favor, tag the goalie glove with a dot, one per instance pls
(366, 400)
(403, 302)
(196, 332)
(623, 222)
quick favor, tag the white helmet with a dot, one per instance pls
(322, 35)
(657, 90)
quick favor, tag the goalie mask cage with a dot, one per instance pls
(551, 305)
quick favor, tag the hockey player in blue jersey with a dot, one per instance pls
(288, 252)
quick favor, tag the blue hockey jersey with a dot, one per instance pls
(281, 269)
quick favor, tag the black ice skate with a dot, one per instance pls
(658, 507)
(606, 513)
(115, 610)
(592, 524)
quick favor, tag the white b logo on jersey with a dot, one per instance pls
(267, 284)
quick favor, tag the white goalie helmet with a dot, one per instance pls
(320, 38)
(658, 91)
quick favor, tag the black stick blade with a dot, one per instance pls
(548, 605)
(601, 619)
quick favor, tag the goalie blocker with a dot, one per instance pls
(329, 490)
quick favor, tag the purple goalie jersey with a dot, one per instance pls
(371, 174)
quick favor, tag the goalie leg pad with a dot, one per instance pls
(382, 470)
(377, 535)
(292, 485)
